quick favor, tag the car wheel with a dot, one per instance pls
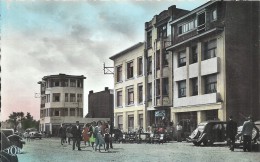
(205, 143)
(40, 138)
(197, 143)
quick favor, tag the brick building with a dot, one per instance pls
(100, 104)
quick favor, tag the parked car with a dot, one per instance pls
(255, 135)
(35, 134)
(6, 150)
(14, 139)
(208, 132)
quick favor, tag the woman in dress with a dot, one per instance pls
(92, 138)
(85, 134)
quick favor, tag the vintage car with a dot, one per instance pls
(14, 139)
(208, 132)
(35, 134)
(255, 135)
(8, 151)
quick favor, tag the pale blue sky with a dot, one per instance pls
(73, 37)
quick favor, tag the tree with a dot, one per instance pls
(26, 122)
(15, 118)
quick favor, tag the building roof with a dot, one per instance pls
(193, 11)
(60, 75)
(126, 50)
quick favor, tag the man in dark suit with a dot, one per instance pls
(231, 132)
(76, 135)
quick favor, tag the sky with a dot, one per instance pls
(74, 37)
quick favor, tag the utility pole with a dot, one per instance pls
(108, 70)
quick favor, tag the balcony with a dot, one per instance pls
(197, 100)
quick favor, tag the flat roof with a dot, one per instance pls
(126, 50)
(60, 75)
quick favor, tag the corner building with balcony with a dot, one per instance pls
(158, 67)
(129, 87)
(61, 101)
(215, 50)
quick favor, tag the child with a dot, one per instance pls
(107, 138)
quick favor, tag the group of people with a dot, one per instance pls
(97, 134)
(246, 133)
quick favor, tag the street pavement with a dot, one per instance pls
(50, 150)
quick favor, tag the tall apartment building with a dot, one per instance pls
(129, 87)
(159, 66)
(61, 101)
(198, 65)
(101, 104)
(215, 50)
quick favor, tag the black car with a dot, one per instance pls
(8, 151)
(14, 139)
(208, 132)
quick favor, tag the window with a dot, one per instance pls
(130, 70)
(149, 93)
(55, 83)
(194, 54)
(158, 59)
(140, 94)
(149, 65)
(119, 98)
(79, 83)
(140, 66)
(149, 39)
(48, 97)
(213, 15)
(210, 49)
(72, 97)
(56, 97)
(66, 97)
(182, 58)
(57, 113)
(211, 84)
(141, 120)
(194, 82)
(165, 58)
(66, 83)
(72, 111)
(182, 88)
(73, 83)
(201, 22)
(79, 97)
(162, 31)
(130, 96)
(119, 73)
(158, 87)
(187, 26)
(165, 87)
(120, 122)
(130, 122)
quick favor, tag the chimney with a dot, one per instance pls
(106, 89)
(90, 92)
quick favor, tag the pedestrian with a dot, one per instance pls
(231, 132)
(247, 131)
(92, 138)
(98, 134)
(179, 132)
(62, 134)
(68, 133)
(76, 135)
(110, 130)
(107, 139)
(85, 134)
